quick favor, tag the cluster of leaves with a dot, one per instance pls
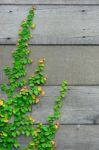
(22, 94)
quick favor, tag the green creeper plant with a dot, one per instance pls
(22, 94)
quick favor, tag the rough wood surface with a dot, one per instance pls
(72, 137)
(56, 24)
(80, 106)
(49, 2)
(79, 65)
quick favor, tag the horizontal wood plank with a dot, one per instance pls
(71, 137)
(79, 65)
(56, 24)
(49, 2)
(74, 138)
(80, 106)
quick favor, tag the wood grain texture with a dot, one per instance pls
(56, 24)
(79, 65)
(70, 137)
(80, 106)
(49, 2)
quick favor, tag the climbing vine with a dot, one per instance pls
(22, 94)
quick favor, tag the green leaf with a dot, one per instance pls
(16, 145)
(14, 134)
(27, 133)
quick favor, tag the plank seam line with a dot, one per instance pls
(75, 124)
(82, 124)
(69, 85)
(12, 44)
(54, 4)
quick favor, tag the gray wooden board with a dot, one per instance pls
(49, 2)
(80, 106)
(79, 65)
(70, 137)
(56, 24)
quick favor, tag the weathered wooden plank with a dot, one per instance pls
(56, 24)
(49, 2)
(80, 106)
(79, 65)
(70, 137)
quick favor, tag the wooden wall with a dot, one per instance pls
(67, 35)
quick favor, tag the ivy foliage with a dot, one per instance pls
(22, 94)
